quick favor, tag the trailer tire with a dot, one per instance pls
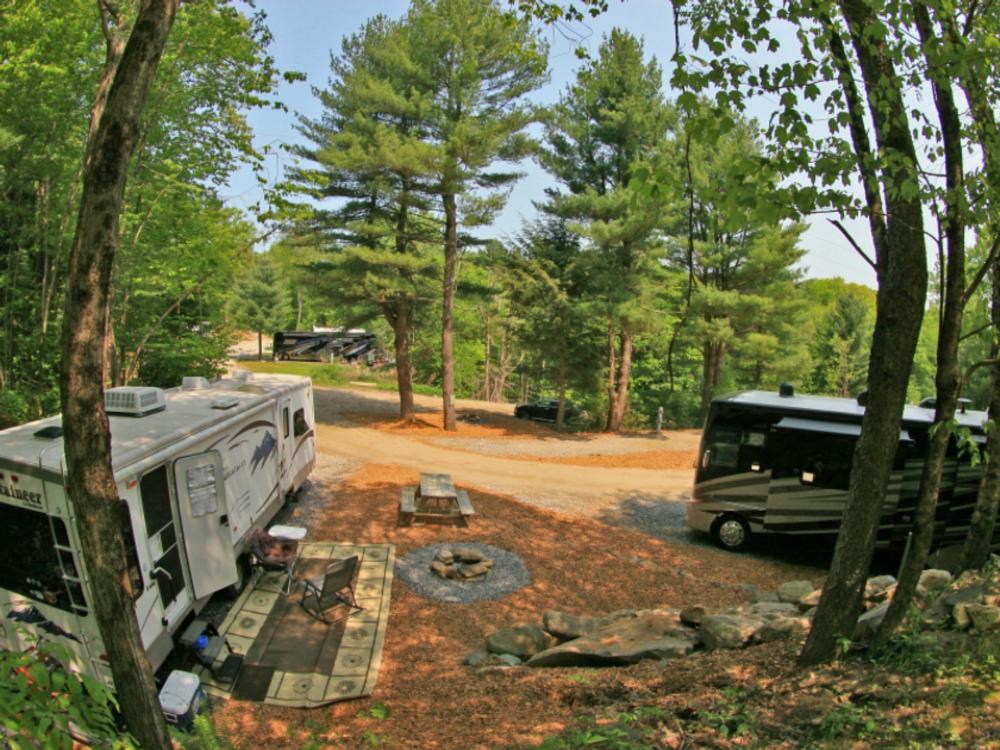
(731, 532)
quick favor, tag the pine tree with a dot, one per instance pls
(371, 158)
(611, 122)
(476, 63)
(259, 301)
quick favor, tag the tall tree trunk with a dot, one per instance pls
(984, 517)
(260, 345)
(87, 442)
(561, 375)
(612, 373)
(404, 375)
(619, 403)
(711, 372)
(689, 291)
(487, 363)
(948, 375)
(447, 311)
(897, 233)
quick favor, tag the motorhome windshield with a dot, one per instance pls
(31, 565)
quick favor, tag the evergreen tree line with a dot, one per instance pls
(642, 282)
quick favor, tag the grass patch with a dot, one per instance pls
(333, 375)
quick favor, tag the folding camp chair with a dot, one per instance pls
(271, 553)
(333, 587)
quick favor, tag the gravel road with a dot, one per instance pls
(651, 500)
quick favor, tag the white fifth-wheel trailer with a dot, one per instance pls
(198, 469)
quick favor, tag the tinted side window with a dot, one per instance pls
(816, 458)
(155, 493)
(301, 427)
(31, 566)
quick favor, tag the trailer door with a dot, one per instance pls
(201, 498)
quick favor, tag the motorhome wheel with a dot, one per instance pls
(732, 532)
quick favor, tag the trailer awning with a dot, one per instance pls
(830, 428)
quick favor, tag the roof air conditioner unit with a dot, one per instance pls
(194, 383)
(134, 401)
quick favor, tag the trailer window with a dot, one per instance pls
(155, 494)
(34, 565)
(731, 449)
(816, 458)
(301, 427)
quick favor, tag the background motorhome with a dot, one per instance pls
(780, 463)
(198, 469)
(320, 346)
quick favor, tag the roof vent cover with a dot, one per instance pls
(134, 401)
(242, 376)
(786, 390)
(194, 383)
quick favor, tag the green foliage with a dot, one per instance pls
(205, 736)
(258, 301)
(378, 711)
(13, 408)
(40, 700)
(624, 731)
(178, 245)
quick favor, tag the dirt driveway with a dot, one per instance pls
(525, 461)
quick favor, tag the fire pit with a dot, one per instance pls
(461, 563)
(465, 579)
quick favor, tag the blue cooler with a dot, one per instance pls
(180, 699)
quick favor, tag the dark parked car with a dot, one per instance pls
(546, 410)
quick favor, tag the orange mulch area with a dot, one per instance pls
(425, 698)
(431, 424)
(641, 460)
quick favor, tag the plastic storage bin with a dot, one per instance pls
(181, 697)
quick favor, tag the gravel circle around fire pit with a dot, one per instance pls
(507, 575)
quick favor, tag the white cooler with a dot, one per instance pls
(180, 698)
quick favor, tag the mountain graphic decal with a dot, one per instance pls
(262, 452)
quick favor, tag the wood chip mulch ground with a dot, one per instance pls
(426, 698)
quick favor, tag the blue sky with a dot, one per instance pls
(305, 31)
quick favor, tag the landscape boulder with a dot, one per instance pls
(523, 641)
(810, 600)
(984, 616)
(693, 615)
(792, 591)
(869, 622)
(933, 580)
(649, 634)
(771, 610)
(779, 628)
(565, 626)
(879, 588)
(728, 630)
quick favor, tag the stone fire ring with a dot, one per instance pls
(507, 575)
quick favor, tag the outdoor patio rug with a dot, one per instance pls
(293, 659)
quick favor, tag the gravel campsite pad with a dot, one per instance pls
(507, 575)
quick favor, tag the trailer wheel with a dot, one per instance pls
(731, 532)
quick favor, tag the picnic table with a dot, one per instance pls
(434, 500)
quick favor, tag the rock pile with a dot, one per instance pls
(625, 637)
(461, 563)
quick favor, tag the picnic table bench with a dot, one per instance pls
(434, 500)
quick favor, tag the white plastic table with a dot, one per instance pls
(287, 532)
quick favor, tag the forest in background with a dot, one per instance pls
(705, 294)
